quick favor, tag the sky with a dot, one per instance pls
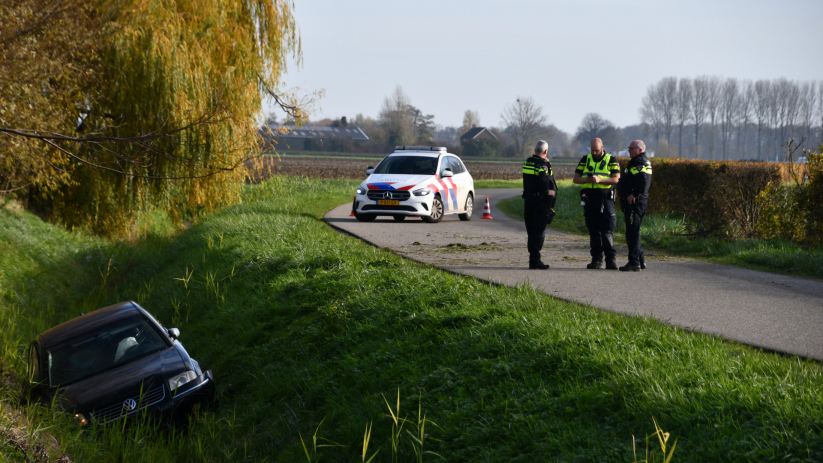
(572, 57)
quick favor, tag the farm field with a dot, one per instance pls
(345, 167)
(313, 333)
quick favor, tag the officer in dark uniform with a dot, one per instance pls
(539, 195)
(599, 172)
(634, 197)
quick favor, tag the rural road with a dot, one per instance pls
(776, 312)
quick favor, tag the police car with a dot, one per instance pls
(423, 181)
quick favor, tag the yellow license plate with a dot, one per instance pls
(388, 202)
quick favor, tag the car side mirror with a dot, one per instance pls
(369, 170)
(174, 333)
(447, 173)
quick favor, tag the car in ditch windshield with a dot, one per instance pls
(115, 362)
(422, 181)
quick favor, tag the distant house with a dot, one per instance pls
(478, 133)
(311, 137)
(481, 142)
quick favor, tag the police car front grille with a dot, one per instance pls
(372, 207)
(117, 410)
(375, 195)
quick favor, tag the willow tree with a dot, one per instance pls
(169, 119)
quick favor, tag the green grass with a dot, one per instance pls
(665, 233)
(312, 333)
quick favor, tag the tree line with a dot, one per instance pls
(399, 123)
(710, 117)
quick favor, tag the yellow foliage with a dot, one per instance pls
(163, 65)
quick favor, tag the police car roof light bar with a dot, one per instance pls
(420, 148)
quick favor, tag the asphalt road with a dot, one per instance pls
(776, 312)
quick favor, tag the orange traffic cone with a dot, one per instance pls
(487, 211)
(352, 206)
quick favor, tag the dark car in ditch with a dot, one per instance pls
(115, 362)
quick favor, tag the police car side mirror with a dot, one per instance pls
(447, 173)
(369, 170)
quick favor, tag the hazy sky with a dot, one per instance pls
(571, 57)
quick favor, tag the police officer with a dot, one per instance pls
(634, 197)
(539, 194)
(599, 172)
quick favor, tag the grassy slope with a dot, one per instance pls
(665, 233)
(302, 324)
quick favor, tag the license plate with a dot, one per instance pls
(388, 202)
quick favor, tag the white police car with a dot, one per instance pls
(422, 181)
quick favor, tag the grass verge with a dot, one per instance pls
(314, 333)
(667, 233)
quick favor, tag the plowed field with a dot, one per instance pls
(331, 168)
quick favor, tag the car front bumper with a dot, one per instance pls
(413, 206)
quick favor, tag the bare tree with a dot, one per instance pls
(649, 114)
(729, 95)
(762, 94)
(700, 96)
(683, 110)
(820, 107)
(792, 111)
(667, 89)
(594, 126)
(744, 114)
(470, 119)
(524, 121)
(807, 101)
(712, 107)
(396, 119)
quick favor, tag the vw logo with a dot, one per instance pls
(129, 404)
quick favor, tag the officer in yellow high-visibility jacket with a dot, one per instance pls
(598, 173)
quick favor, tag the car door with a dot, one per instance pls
(456, 199)
(462, 181)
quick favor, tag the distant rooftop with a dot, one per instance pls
(478, 133)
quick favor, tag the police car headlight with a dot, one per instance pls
(361, 190)
(422, 192)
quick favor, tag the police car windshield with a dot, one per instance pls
(407, 165)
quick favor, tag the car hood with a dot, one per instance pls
(122, 382)
(396, 181)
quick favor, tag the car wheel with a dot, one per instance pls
(399, 218)
(364, 217)
(469, 209)
(437, 211)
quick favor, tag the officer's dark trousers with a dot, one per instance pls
(601, 220)
(634, 214)
(536, 212)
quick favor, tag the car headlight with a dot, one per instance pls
(361, 190)
(181, 379)
(422, 192)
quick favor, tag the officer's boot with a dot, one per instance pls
(631, 267)
(643, 262)
(611, 264)
(597, 262)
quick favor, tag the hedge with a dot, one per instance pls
(741, 199)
